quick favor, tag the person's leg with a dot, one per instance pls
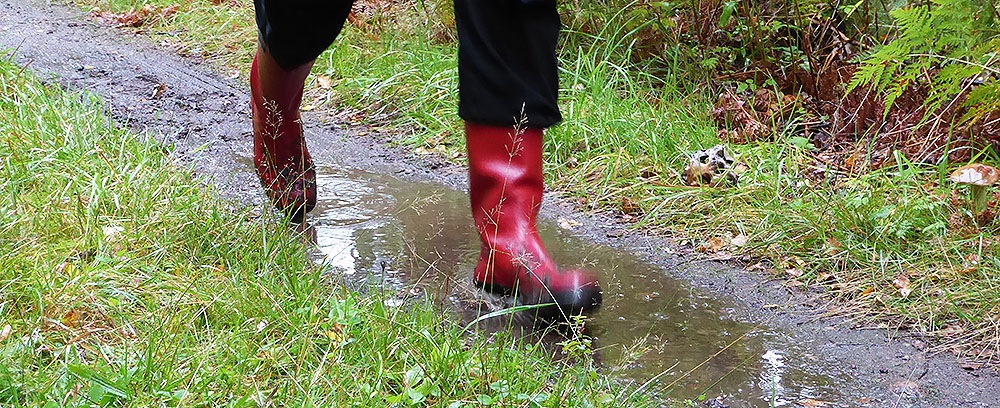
(508, 94)
(291, 35)
(507, 62)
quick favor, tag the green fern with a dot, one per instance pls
(954, 43)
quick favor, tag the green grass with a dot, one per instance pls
(628, 126)
(124, 283)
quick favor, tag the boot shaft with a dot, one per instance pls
(505, 177)
(276, 96)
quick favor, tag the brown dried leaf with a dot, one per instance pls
(158, 91)
(833, 246)
(137, 18)
(734, 113)
(902, 282)
(971, 264)
(697, 174)
(965, 365)
(713, 244)
(71, 319)
(811, 403)
(324, 81)
(628, 206)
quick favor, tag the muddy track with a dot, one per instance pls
(206, 119)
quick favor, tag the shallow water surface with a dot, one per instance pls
(418, 239)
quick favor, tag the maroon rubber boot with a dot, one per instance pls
(505, 188)
(280, 155)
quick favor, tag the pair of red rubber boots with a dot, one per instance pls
(505, 187)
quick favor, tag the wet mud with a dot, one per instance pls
(401, 224)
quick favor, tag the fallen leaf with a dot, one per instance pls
(334, 335)
(794, 272)
(739, 240)
(793, 283)
(5, 332)
(971, 264)
(112, 233)
(811, 403)
(158, 91)
(713, 244)
(628, 206)
(136, 17)
(906, 387)
(902, 282)
(791, 262)
(324, 81)
(833, 246)
(71, 319)
(867, 291)
(568, 224)
(965, 365)
(950, 330)
(825, 276)
(718, 402)
(722, 256)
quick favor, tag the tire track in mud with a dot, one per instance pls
(206, 119)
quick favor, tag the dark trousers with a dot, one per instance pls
(506, 52)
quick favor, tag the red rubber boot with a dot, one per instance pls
(283, 163)
(505, 187)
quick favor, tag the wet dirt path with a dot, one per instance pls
(384, 213)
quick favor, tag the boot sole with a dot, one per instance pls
(567, 303)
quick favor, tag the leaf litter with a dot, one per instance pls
(135, 18)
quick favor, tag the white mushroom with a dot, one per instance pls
(980, 177)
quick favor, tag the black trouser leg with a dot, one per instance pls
(295, 32)
(507, 60)
(506, 57)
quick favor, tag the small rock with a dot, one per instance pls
(717, 402)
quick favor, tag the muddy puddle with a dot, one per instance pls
(414, 240)
(417, 239)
